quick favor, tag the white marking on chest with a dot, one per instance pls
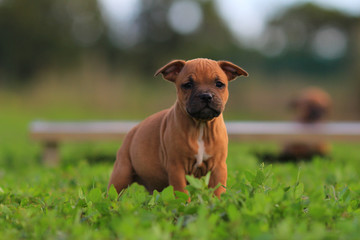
(201, 154)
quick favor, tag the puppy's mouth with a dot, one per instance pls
(206, 113)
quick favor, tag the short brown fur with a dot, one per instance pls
(162, 149)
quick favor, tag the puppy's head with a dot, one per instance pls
(202, 85)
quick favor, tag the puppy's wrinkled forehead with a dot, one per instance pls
(202, 69)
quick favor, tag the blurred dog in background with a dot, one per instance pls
(313, 105)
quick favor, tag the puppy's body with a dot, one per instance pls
(188, 139)
(158, 145)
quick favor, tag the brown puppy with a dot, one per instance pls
(311, 106)
(187, 139)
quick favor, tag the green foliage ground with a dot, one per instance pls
(313, 200)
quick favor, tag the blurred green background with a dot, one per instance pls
(95, 60)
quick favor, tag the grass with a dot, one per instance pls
(309, 200)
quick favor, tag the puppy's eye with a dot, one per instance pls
(187, 85)
(219, 84)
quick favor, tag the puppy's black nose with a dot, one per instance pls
(206, 97)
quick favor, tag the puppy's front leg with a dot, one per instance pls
(176, 175)
(219, 175)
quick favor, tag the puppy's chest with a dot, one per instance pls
(201, 154)
(200, 162)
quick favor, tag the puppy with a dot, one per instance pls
(189, 138)
(311, 106)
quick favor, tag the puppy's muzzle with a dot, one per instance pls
(204, 106)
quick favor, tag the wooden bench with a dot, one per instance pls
(53, 133)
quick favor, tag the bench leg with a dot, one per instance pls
(51, 154)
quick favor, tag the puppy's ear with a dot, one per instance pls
(171, 70)
(232, 71)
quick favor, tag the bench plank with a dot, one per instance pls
(52, 133)
(267, 131)
(79, 131)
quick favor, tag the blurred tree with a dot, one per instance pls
(356, 69)
(316, 40)
(40, 33)
(159, 42)
(48, 33)
(51, 33)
